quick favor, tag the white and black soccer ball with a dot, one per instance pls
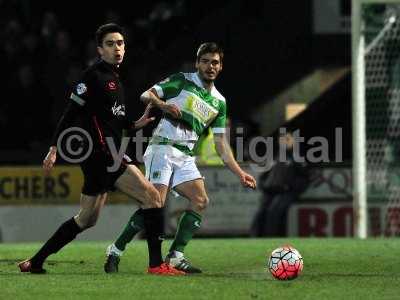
(285, 263)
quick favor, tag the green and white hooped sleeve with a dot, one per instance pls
(170, 87)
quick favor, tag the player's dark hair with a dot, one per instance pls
(209, 48)
(106, 29)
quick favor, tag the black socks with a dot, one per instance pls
(154, 227)
(64, 234)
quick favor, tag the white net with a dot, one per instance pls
(382, 81)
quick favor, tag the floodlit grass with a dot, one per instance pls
(233, 269)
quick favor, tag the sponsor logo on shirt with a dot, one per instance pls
(112, 86)
(156, 175)
(215, 102)
(202, 109)
(118, 110)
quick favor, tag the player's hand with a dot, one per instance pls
(50, 160)
(145, 119)
(172, 110)
(247, 180)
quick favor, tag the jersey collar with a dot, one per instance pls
(110, 67)
(197, 81)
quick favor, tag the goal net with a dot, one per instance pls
(376, 132)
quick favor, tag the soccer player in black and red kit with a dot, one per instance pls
(97, 106)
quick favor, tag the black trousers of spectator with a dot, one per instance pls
(271, 218)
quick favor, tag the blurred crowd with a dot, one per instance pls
(44, 49)
(43, 56)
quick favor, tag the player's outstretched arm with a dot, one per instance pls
(151, 97)
(225, 152)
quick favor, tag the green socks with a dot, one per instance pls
(189, 223)
(135, 224)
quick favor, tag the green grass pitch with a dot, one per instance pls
(233, 269)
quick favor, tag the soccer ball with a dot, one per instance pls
(285, 263)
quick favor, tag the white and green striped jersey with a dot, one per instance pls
(200, 108)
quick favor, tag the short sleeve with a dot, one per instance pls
(171, 86)
(219, 124)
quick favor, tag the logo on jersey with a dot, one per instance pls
(202, 109)
(112, 86)
(215, 102)
(156, 175)
(118, 110)
(81, 88)
(135, 226)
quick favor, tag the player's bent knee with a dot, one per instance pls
(201, 202)
(152, 197)
(86, 222)
(91, 223)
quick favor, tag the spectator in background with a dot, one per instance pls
(111, 16)
(31, 105)
(281, 186)
(49, 27)
(33, 52)
(11, 36)
(72, 75)
(245, 130)
(90, 53)
(59, 62)
(166, 17)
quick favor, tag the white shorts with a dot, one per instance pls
(169, 166)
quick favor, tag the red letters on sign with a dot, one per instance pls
(312, 222)
(343, 222)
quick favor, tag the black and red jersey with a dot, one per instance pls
(96, 105)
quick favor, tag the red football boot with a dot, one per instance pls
(165, 269)
(26, 266)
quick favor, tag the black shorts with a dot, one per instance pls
(97, 179)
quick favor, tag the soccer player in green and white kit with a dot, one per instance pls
(191, 104)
